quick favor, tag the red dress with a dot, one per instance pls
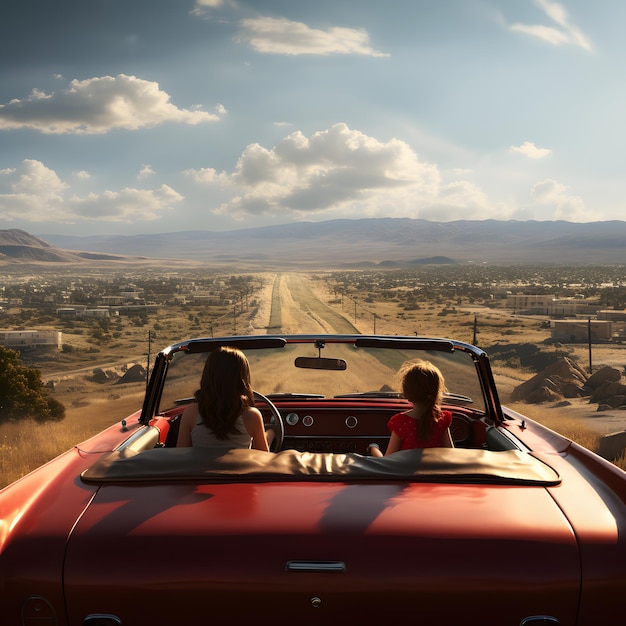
(405, 427)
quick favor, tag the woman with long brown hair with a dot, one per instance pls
(224, 414)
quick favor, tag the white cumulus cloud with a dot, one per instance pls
(530, 150)
(459, 200)
(551, 194)
(282, 36)
(145, 172)
(127, 205)
(35, 193)
(340, 171)
(99, 105)
(34, 178)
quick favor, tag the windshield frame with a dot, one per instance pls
(492, 408)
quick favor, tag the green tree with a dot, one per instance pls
(22, 392)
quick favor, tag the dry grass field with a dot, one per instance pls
(287, 303)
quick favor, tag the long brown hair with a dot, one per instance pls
(225, 390)
(423, 384)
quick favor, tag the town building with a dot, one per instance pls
(545, 304)
(21, 339)
(580, 330)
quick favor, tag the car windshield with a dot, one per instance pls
(331, 370)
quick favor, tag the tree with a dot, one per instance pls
(22, 392)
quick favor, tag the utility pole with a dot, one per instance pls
(589, 344)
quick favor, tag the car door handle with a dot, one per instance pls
(332, 567)
(101, 619)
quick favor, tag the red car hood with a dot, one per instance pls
(283, 551)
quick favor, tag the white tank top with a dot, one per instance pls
(202, 436)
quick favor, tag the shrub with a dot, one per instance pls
(22, 392)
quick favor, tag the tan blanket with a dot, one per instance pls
(452, 465)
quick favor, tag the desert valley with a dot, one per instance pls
(112, 313)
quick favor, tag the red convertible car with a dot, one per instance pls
(513, 526)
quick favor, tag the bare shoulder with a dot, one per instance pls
(191, 411)
(251, 414)
(187, 422)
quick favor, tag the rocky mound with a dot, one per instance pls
(134, 374)
(127, 374)
(607, 389)
(565, 379)
(104, 376)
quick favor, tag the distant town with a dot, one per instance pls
(35, 310)
(576, 304)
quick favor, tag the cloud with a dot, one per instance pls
(550, 193)
(30, 192)
(99, 105)
(203, 7)
(145, 172)
(564, 33)
(34, 193)
(282, 36)
(208, 176)
(32, 178)
(127, 205)
(460, 200)
(344, 172)
(530, 150)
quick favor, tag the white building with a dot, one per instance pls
(543, 304)
(18, 339)
(537, 304)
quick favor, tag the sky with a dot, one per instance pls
(154, 116)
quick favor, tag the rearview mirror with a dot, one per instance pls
(320, 363)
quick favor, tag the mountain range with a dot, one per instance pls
(385, 242)
(18, 246)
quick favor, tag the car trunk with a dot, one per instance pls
(183, 553)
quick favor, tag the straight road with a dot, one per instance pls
(296, 309)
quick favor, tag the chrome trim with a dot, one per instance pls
(144, 438)
(380, 408)
(342, 437)
(101, 619)
(539, 620)
(351, 421)
(332, 567)
(308, 420)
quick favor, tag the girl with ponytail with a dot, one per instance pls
(425, 425)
